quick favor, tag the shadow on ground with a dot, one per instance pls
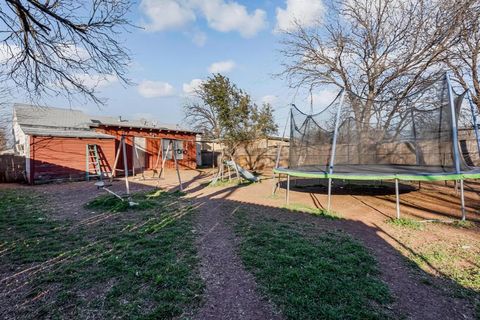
(417, 294)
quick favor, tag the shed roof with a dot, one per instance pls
(39, 120)
(52, 132)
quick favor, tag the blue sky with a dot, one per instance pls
(183, 40)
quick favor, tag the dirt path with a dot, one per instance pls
(231, 291)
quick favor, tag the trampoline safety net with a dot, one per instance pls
(415, 135)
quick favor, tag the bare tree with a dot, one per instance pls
(203, 117)
(376, 50)
(66, 47)
(5, 120)
(464, 57)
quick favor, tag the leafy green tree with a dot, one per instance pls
(226, 113)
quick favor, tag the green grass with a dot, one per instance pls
(142, 200)
(457, 262)
(464, 224)
(407, 223)
(138, 264)
(328, 276)
(320, 212)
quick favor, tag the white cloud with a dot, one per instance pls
(222, 66)
(72, 51)
(167, 14)
(97, 80)
(307, 13)
(231, 16)
(270, 99)
(153, 89)
(221, 15)
(189, 88)
(199, 38)
(93, 81)
(8, 51)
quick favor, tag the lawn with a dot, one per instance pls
(330, 276)
(120, 262)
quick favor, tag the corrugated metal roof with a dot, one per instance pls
(68, 133)
(59, 120)
(28, 115)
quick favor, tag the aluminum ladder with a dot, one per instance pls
(93, 163)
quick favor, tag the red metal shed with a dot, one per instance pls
(54, 142)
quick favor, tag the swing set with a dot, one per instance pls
(121, 155)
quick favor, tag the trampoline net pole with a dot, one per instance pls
(287, 195)
(397, 198)
(335, 133)
(462, 198)
(456, 151)
(475, 120)
(329, 203)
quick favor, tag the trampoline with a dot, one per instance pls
(413, 138)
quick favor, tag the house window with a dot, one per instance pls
(177, 147)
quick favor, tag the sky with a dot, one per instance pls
(181, 42)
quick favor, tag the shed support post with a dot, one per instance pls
(174, 151)
(134, 159)
(125, 165)
(164, 158)
(462, 198)
(397, 198)
(329, 203)
(287, 195)
(117, 157)
(158, 158)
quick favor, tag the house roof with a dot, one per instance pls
(38, 120)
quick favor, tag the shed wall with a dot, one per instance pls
(54, 158)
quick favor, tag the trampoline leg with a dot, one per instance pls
(462, 197)
(329, 194)
(397, 196)
(287, 195)
(274, 189)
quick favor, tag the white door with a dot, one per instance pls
(139, 150)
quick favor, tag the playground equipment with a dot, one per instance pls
(242, 171)
(236, 168)
(122, 154)
(415, 138)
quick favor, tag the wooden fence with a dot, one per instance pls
(12, 168)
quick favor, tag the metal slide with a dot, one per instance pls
(243, 172)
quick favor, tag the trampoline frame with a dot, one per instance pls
(457, 175)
